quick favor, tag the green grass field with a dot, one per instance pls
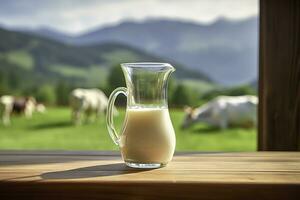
(53, 130)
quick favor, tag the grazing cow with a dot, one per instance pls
(87, 101)
(224, 111)
(10, 104)
(41, 108)
(24, 105)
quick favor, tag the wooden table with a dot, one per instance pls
(102, 175)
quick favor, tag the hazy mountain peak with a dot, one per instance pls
(221, 21)
(226, 50)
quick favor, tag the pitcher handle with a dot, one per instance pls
(109, 115)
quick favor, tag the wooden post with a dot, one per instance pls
(279, 75)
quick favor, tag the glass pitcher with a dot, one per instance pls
(147, 139)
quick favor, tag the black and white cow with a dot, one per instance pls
(20, 105)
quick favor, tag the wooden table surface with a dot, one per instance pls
(102, 175)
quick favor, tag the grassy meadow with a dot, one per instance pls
(53, 130)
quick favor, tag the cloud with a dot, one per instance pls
(76, 15)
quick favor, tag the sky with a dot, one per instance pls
(77, 16)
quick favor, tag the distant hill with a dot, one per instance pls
(32, 59)
(49, 33)
(225, 50)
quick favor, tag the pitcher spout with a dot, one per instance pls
(170, 70)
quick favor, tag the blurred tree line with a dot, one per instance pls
(57, 92)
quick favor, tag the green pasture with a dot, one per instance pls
(53, 130)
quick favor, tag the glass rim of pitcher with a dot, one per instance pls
(147, 65)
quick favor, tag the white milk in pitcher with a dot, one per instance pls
(148, 136)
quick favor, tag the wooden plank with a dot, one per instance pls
(99, 175)
(117, 153)
(150, 191)
(279, 75)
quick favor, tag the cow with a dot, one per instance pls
(24, 105)
(224, 111)
(41, 108)
(10, 104)
(88, 102)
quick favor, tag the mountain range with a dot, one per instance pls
(30, 59)
(224, 50)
